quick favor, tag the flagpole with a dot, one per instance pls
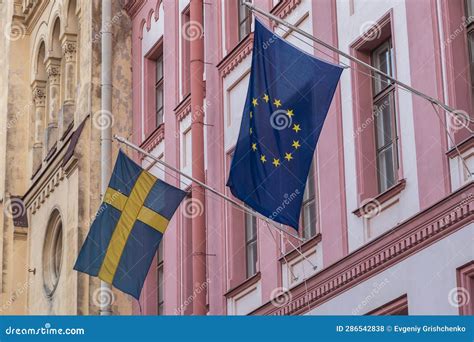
(106, 133)
(207, 187)
(370, 67)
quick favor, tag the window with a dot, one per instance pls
(308, 212)
(251, 244)
(245, 20)
(187, 148)
(186, 57)
(396, 307)
(159, 96)
(52, 253)
(470, 40)
(160, 280)
(384, 111)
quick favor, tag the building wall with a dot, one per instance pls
(51, 159)
(353, 219)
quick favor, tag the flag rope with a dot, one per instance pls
(401, 84)
(207, 187)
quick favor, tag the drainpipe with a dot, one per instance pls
(106, 132)
(197, 134)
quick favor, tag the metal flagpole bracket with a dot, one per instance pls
(207, 187)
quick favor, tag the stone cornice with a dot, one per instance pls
(183, 109)
(236, 56)
(285, 7)
(132, 7)
(153, 139)
(420, 231)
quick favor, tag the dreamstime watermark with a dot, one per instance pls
(370, 30)
(459, 30)
(280, 120)
(193, 208)
(20, 290)
(18, 115)
(14, 31)
(46, 330)
(280, 297)
(377, 287)
(285, 203)
(103, 297)
(114, 20)
(459, 296)
(370, 208)
(377, 110)
(14, 208)
(191, 298)
(192, 30)
(460, 119)
(103, 119)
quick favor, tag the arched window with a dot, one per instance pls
(52, 253)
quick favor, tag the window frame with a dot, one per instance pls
(385, 91)
(245, 23)
(159, 84)
(470, 41)
(160, 300)
(309, 204)
(251, 244)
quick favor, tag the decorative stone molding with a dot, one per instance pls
(236, 56)
(47, 190)
(39, 96)
(183, 109)
(429, 226)
(132, 7)
(284, 7)
(53, 72)
(153, 139)
(69, 50)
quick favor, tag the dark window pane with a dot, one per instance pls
(384, 122)
(382, 60)
(471, 56)
(251, 259)
(159, 68)
(309, 220)
(386, 168)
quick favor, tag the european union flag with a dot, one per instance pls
(288, 98)
(128, 227)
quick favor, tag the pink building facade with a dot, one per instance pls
(389, 207)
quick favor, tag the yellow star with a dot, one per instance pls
(276, 162)
(277, 103)
(296, 128)
(255, 102)
(251, 130)
(290, 113)
(296, 144)
(263, 158)
(266, 98)
(251, 115)
(254, 146)
(288, 156)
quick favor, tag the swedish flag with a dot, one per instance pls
(128, 227)
(288, 99)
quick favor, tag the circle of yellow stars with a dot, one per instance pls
(295, 127)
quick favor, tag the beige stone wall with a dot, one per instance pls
(73, 190)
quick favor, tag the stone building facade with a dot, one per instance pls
(50, 148)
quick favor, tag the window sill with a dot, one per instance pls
(375, 203)
(463, 146)
(249, 282)
(306, 246)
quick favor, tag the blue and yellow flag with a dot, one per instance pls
(288, 98)
(128, 227)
